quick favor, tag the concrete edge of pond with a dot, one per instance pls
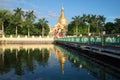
(108, 51)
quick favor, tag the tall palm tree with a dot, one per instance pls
(76, 20)
(87, 20)
(43, 23)
(84, 18)
(18, 14)
(93, 28)
(100, 22)
(3, 16)
(117, 25)
(29, 19)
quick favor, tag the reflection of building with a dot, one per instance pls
(61, 27)
(61, 58)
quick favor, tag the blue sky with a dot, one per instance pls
(51, 9)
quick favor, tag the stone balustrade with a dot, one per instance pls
(26, 39)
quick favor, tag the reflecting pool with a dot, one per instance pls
(51, 62)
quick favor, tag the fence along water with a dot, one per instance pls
(98, 40)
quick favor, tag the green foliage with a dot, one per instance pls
(110, 28)
(117, 25)
(71, 29)
(86, 24)
(113, 28)
(22, 23)
(44, 27)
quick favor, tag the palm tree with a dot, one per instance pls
(18, 16)
(84, 18)
(18, 12)
(43, 23)
(76, 20)
(16, 22)
(29, 19)
(3, 16)
(100, 22)
(117, 25)
(93, 28)
(87, 20)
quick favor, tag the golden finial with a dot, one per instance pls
(62, 7)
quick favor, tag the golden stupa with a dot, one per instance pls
(60, 28)
(62, 20)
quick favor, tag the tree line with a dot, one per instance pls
(94, 24)
(21, 22)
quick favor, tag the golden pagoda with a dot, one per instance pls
(61, 27)
(62, 20)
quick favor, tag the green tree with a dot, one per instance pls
(76, 20)
(87, 20)
(29, 19)
(18, 18)
(100, 23)
(15, 21)
(43, 23)
(110, 28)
(95, 23)
(7, 24)
(71, 29)
(3, 17)
(117, 25)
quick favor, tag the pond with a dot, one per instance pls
(51, 62)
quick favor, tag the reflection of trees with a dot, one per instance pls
(44, 56)
(18, 65)
(29, 60)
(23, 59)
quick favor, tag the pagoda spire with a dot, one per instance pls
(62, 20)
(62, 12)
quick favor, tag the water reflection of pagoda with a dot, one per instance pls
(61, 27)
(61, 58)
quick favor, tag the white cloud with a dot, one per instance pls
(53, 14)
(113, 17)
(4, 4)
(49, 15)
(12, 3)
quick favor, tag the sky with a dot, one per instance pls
(51, 9)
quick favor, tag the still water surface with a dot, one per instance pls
(49, 62)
